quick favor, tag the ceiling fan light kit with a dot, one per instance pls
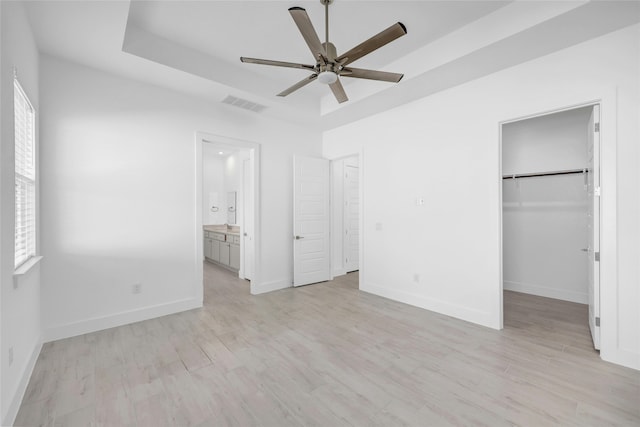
(330, 66)
(327, 77)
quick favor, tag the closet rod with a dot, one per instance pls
(529, 175)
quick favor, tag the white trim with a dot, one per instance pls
(26, 266)
(123, 318)
(363, 230)
(202, 138)
(482, 318)
(199, 267)
(621, 356)
(345, 213)
(24, 269)
(545, 291)
(274, 285)
(16, 400)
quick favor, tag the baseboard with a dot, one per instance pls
(119, 319)
(542, 291)
(16, 400)
(443, 307)
(339, 272)
(621, 357)
(274, 285)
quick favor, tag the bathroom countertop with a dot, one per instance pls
(224, 229)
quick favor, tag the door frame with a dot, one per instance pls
(607, 100)
(247, 190)
(202, 138)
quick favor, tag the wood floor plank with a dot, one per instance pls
(331, 355)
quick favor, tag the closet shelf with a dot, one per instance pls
(530, 175)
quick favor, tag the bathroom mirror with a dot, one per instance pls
(231, 207)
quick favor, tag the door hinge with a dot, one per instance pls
(597, 127)
(597, 256)
(596, 192)
(597, 321)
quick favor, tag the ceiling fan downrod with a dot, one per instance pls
(327, 68)
(326, 4)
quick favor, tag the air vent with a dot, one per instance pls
(243, 103)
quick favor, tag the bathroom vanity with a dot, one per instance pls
(222, 246)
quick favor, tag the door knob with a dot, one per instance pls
(585, 249)
(299, 237)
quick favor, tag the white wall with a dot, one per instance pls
(20, 307)
(446, 148)
(544, 219)
(119, 203)
(213, 184)
(544, 225)
(552, 142)
(233, 177)
(221, 174)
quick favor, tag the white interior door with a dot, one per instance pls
(246, 261)
(351, 217)
(593, 223)
(311, 221)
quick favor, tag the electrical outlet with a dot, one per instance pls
(136, 288)
(378, 226)
(10, 356)
(416, 277)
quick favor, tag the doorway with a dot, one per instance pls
(227, 231)
(345, 215)
(327, 220)
(550, 216)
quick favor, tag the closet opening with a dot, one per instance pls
(550, 226)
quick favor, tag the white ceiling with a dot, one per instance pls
(194, 46)
(216, 147)
(226, 30)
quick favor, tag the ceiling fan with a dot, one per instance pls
(329, 66)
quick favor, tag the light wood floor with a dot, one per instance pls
(330, 355)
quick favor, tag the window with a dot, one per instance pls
(25, 176)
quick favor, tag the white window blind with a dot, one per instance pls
(25, 176)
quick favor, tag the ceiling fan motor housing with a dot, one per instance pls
(331, 51)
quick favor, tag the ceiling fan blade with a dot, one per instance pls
(373, 43)
(309, 34)
(298, 85)
(338, 91)
(361, 73)
(276, 63)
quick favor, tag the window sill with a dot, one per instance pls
(26, 266)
